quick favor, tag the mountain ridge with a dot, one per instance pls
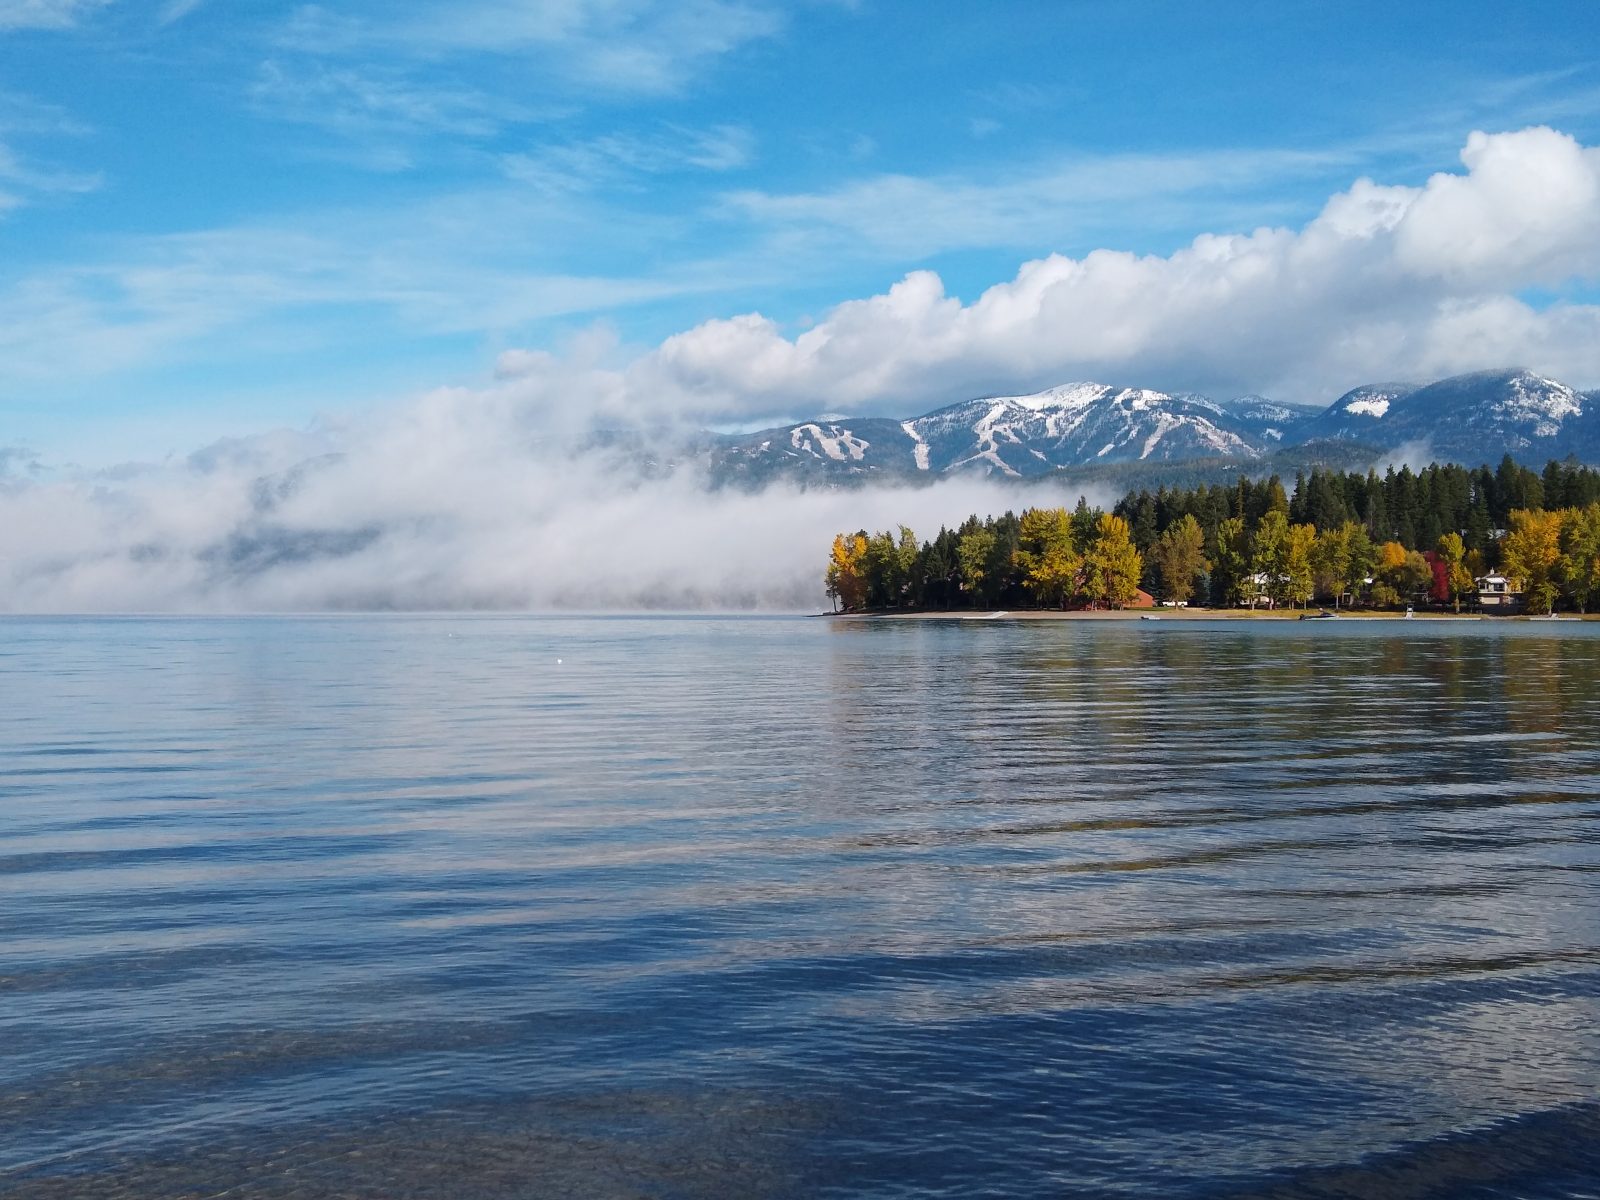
(1480, 416)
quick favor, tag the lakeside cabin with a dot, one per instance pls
(1495, 593)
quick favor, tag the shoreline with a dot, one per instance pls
(1175, 614)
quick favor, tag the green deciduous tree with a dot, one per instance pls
(1363, 557)
(1457, 579)
(1580, 554)
(1330, 561)
(1179, 555)
(1269, 553)
(1298, 578)
(973, 553)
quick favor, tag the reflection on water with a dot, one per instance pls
(514, 906)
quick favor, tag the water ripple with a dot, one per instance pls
(702, 907)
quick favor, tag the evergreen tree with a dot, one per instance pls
(1085, 521)
(1231, 562)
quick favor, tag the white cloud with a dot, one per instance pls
(37, 180)
(608, 46)
(382, 114)
(1386, 282)
(366, 103)
(617, 157)
(449, 266)
(23, 177)
(898, 216)
(452, 501)
(46, 14)
(176, 10)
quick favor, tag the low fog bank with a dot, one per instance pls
(442, 506)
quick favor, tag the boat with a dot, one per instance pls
(1147, 617)
(1324, 615)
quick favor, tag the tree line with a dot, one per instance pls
(1339, 538)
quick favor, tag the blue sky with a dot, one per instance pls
(226, 216)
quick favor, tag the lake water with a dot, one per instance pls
(492, 907)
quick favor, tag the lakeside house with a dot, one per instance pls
(1496, 593)
(1258, 589)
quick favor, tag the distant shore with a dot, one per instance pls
(1175, 614)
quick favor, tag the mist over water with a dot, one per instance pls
(448, 503)
(495, 906)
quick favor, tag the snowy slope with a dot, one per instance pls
(1468, 418)
(1074, 424)
(1358, 415)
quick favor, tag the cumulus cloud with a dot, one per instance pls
(1385, 282)
(458, 500)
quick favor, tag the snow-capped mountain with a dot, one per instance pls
(1356, 415)
(1073, 424)
(1070, 425)
(1271, 422)
(1468, 418)
(823, 449)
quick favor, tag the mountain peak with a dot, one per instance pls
(1475, 417)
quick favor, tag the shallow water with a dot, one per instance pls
(482, 906)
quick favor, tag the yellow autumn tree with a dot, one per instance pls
(1530, 553)
(847, 582)
(1046, 557)
(1112, 565)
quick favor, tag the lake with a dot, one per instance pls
(478, 906)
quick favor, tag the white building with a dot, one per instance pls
(1495, 591)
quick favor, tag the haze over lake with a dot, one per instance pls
(508, 906)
